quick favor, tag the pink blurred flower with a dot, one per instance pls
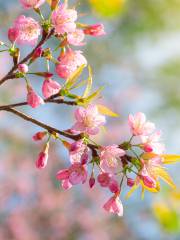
(50, 87)
(23, 68)
(139, 126)
(42, 159)
(64, 19)
(33, 99)
(74, 175)
(78, 152)
(69, 62)
(114, 205)
(110, 158)
(31, 3)
(88, 120)
(95, 30)
(28, 30)
(104, 179)
(75, 38)
(151, 143)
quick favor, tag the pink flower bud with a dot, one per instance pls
(147, 148)
(95, 30)
(33, 99)
(38, 52)
(39, 136)
(92, 182)
(130, 182)
(50, 87)
(41, 162)
(114, 186)
(103, 179)
(13, 34)
(149, 182)
(23, 68)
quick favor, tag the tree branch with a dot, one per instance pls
(42, 125)
(10, 74)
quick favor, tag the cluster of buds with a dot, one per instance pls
(135, 162)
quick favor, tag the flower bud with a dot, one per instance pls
(13, 34)
(41, 162)
(23, 68)
(149, 182)
(114, 186)
(39, 136)
(95, 30)
(130, 182)
(54, 4)
(37, 53)
(92, 182)
(103, 179)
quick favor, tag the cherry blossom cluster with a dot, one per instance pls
(137, 162)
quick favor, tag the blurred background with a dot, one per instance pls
(138, 62)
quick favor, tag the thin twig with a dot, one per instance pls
(10, 74)
(43, 125)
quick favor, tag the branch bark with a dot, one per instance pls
(10, 74)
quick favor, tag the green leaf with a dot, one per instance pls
(74, 77)
(94, 95)
(89, 83)
(106, 111)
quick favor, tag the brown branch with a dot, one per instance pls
(49, 100)
(10, 74)
(42, 125)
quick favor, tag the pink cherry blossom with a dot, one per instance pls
(31, 3)
(63, 19)
(139, 126)
(78, 152)
(104, 179)
(151, 143)
(23, 68)
(69, 62)
(110, 158)
(88, 120)
(74, 175)
(33, 99)
(114, 205)
(28, 30)
(95, 30)
(76, 38)
(50, 87)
